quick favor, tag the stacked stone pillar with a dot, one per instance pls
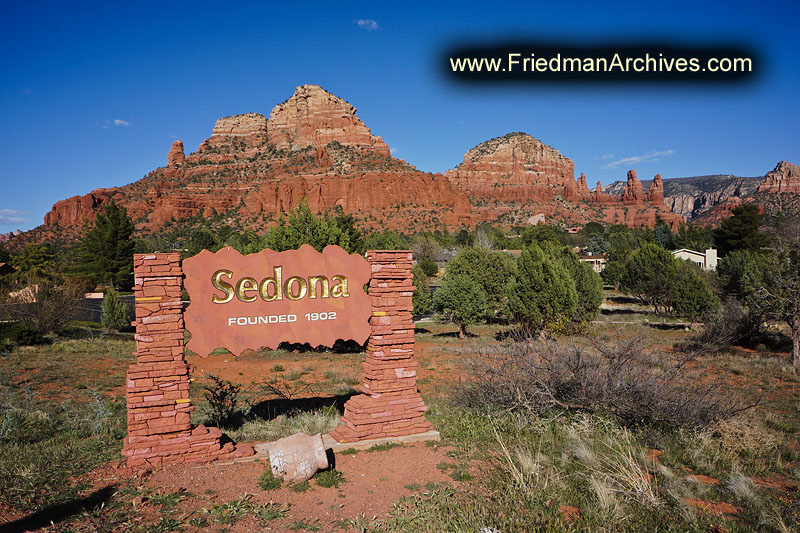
(159, 430)
(391, 405)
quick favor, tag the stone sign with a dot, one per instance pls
(241, 302)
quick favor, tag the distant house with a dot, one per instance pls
(706, 260)
(598, 262)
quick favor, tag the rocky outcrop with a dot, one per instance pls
(633, 190)
(74, 211)
(577, 192)
(600, 197)
(5, 237)
(583, 189)
(314, 117)
(691, 197)
(655, 194)
(247, 124)
(515, 167)
(176, 156)
(785, 177)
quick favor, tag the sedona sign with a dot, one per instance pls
(241, 302)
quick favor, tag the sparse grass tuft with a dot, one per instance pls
(269, 481)
(383, 447)
(322, 420)
(300, 487)
(329, 478)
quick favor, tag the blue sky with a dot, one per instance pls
(93, 94)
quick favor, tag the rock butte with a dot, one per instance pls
(314, 147)
(785, 177)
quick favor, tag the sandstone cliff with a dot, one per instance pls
(785, 177)
(315, 117)
(514, 167)
(73, 211)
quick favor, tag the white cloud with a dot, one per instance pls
(367, 24)
(605, 156)
(11, 216)
(392, 151)
(649, 157)
(120, 122)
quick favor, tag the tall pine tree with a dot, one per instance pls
(106, 249)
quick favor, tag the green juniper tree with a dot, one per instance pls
(114, 311)
(773, 290)
(460, 300)
(650, 273)
(692, 298)
(740, 231)
(301, 226)
(588, 283)
(421, 299)
(491, 270)
(542, 291)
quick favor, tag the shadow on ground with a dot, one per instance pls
(57, 513)
(269, 409)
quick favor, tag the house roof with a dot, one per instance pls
(688, 251)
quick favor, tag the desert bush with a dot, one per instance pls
(732, 324)
(623, 378)
(46, 304)
(269, 481)
(744, 437)
(223, 401)
(429, 267)
(20, 334)
(82, 283)
(44, 444)
(329, 478)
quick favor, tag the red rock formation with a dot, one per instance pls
(73, 211)
(655, 195)
(631, 209)
(315, 117)
(238, 168)
(570, 191)
(721, 211)
(633, 190)
(314, 148)
(514, 167)
(598, 196)
(785, 177)
(176, 156)
(583, 189)
(246, 125)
